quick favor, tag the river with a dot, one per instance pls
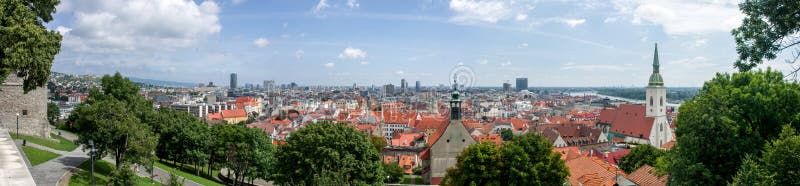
(593, 93)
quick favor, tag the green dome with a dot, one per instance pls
(656, 80)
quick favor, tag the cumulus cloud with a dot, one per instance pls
(261, 42)
(329, 65)
(299, 54)
(521, 17)
(63, 30)
(475, 11)
(353, 4)
(573, 22)
(103, 26)
(523, 45)
(683, 17)
(353, 53)
(321, 5)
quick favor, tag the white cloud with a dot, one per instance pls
(700, 42)
(63, 30)
(521, 17)
(364, 63)
(329, 65)
(236, 2)
(261, 42)
(683, 17)
(474, 11)
(573, 22)
(299, 54)
(483, 62)
(399, 72)
(353, 53)
(572, 66)
(119, 26)
(353, 4)
(698, 62)
(321, 6)
(523, 45)
(610, 20)
(507, 63)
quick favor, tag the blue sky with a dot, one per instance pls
(330, 42)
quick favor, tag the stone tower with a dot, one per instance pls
(454, 139)
(31, 107)
(656, 105)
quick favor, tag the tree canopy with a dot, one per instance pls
(734, 115)
(326, 153)
(27, 48)
(769, 27)
(527, 159)
(639, 156)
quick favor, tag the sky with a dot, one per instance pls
(376, 42)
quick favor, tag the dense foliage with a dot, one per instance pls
(110, 120)
(53, 113)
(639, 156)
(778, 165)
(326, 153)
(27, 48)
(506, 134)
(394, 173)
(734, 115)
(769, 27)
(527, 159)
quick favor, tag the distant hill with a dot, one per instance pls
(162, 83)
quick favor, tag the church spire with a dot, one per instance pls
(455, 103)
(655, 78)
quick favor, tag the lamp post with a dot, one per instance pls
(18, 125)
(91, 155)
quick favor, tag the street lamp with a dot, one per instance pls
(91, 155)
(18, 125)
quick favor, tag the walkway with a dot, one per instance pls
(50, 172)
(13, 165)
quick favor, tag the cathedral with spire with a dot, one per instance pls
(449, 144)
(642, 123)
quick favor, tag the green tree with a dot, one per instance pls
(769, 27)
(27, 48)
(733, 115)
(247, 152)
(639, 156)
(782, 157)
(527, 159)
(378, 142)
(122, 177)
(479, 164)
(506, 134)
(53, 113)
(394, 173)
(543, 167)
(321, 150)
(751, 173)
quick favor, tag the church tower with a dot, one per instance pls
(656, 92)
(452, 141)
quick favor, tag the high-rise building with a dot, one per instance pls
(522, 84)
(233, 81)
(506, 86)
(269, 85)
(403, 85)
(417, 86)
(388, 90)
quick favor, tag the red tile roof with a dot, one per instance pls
(494, 138)
(646, 175)
(591, 171)
(668, 145)
(234, 113)
(613, 157)
(630, 120)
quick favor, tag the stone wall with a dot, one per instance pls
(13, 100)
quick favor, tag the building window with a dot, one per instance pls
(651, 100)
(662, 101)
(24, 112)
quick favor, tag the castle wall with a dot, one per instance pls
(13, 100)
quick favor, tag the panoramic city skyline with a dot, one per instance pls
(553, 43)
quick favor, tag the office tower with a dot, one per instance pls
(233, 81)
(522, 84)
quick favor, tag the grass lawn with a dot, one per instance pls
(38, 156)
(102, 170)
(407, 180)
(188, 173)
(63, 144)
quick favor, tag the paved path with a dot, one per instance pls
(50, 172)
(13, 168)
(161, 175)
